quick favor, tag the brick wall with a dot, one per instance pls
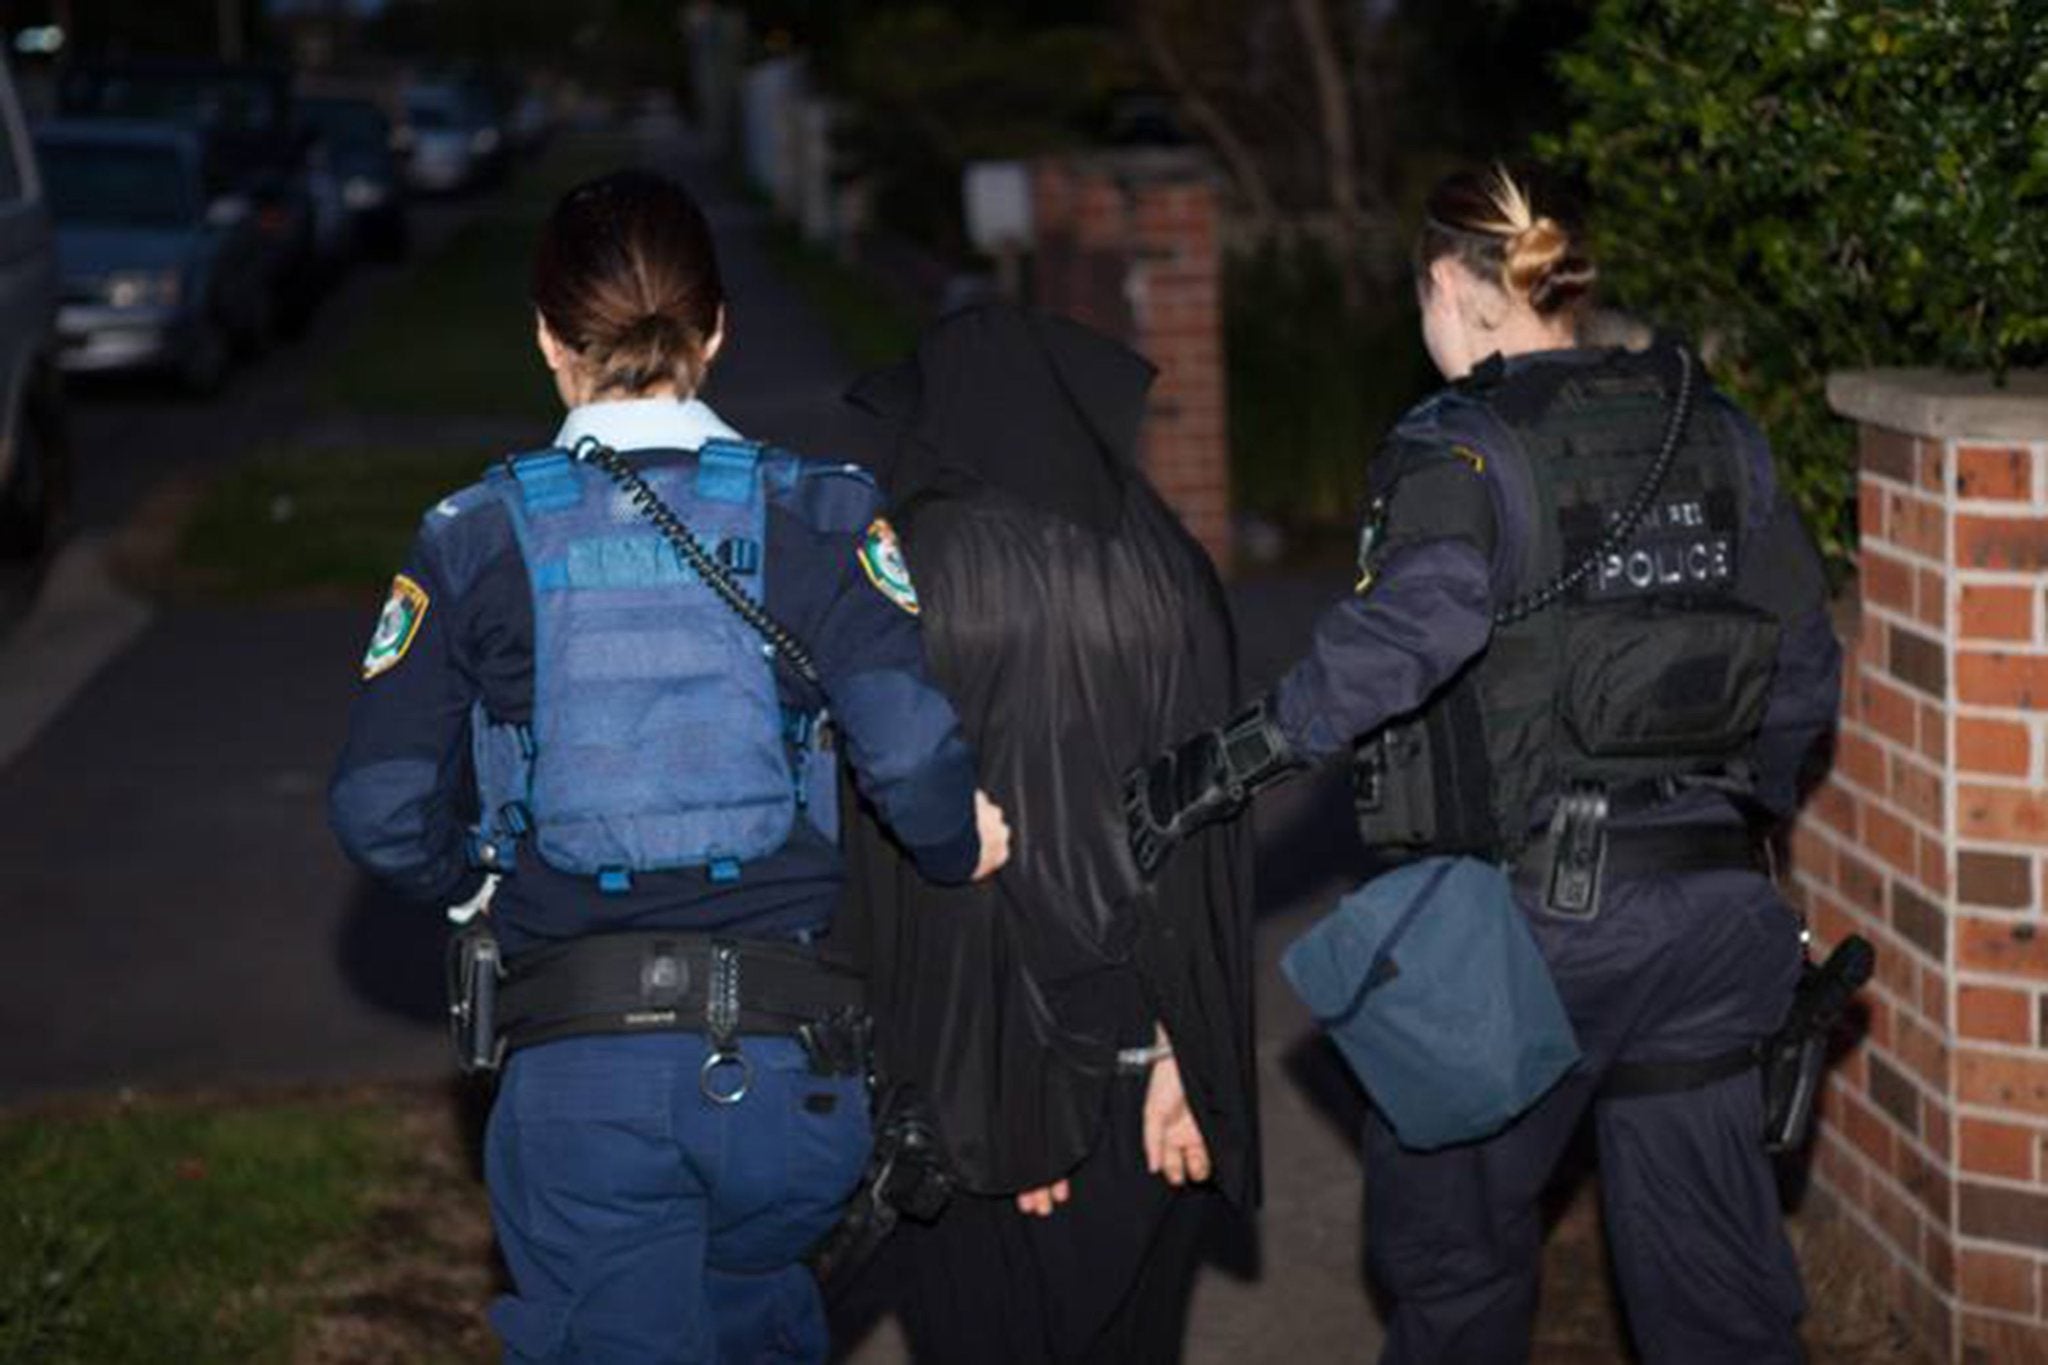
(1127, 242)
(1930, 838)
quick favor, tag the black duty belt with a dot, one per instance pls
(670, 982)
(1646, 851)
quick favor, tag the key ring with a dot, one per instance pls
(720, 1057)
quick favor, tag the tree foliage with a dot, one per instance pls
(1816, 184)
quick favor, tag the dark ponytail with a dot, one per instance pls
(627, 277)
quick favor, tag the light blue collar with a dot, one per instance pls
(645, 424)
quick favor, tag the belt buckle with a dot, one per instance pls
(1578, 854)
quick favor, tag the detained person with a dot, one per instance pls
(1080, 1038)
(1588, 641)
(605, 684)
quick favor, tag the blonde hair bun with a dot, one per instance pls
(1531, 255)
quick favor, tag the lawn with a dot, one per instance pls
(176, 1233)
(298, 521)
(455, 336)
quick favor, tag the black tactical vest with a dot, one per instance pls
(1647, 667)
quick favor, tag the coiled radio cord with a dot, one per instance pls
(716, 576)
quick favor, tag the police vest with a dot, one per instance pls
(1648, 668)
(658, 741)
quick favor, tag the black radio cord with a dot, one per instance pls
(1632, 515)
(590, 450)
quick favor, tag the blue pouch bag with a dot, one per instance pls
(1434, 990)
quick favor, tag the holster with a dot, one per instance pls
(909, 1175)
(474, 974)
(1795, 1058)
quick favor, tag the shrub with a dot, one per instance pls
(1816, 184)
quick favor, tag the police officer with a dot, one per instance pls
(1589, 639)
(600, 686)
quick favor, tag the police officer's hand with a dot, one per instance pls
(994, 832)
(1040, 1203)
(1207, 777)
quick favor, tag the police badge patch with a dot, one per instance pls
(882, 560)
(396, 626)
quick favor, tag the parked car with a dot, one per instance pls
(258, 149)
(164, 266)
(450, 138)
(34, 456)
(354, 138)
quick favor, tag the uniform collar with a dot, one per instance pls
(645, 424)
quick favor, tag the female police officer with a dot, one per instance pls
(618, 665)
(1588, 635)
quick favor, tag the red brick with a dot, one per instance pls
(1934, 995)
(1922, 1049)
(1992, 1279)
(1837, 1169)
(2019, 543)
(1928, 1186)
(2006, 815)
(2000, 678)
(2001, 748)
(1930, 467)
(1919, 792)
(1994, 1014)
(1890, 838)
(2014, 1082)
(2004, 472)
(2001, 879)
(1813, 855)
(1930, 598)
(1861, 884)
(1917, 524)
(1937, 1129)
(1888, 454)
(1867, 1131)
(1938, 1255)
(1837, 809)
(1890, 711)
(1934, 865)
(1895, 1218)
(1886, 581)
(1934, 731)
(1997, 611)
(2008, 947)
(1993, 1148)
(2002, 1341)
(1870, 522)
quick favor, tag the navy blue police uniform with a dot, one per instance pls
(645, 1216)
(1666, 965)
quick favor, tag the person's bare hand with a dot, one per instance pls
(1040, 1203)
(994, 831)
(1175, 1150)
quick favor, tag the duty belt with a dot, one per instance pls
(1627, 852)
(668, 982)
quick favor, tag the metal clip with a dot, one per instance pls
(721, 1025)
(1578, 853)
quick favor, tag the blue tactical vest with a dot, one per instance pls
(658, 741)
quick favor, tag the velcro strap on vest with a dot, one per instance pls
(654, 982)
(725, 470)
(547, 481)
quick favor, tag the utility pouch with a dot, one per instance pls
(474, 971)
(1796, 1056)
(1578, 853)
(1424, 785)
(1657, 678)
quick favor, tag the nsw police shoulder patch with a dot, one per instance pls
(397, 626)
(881, 558)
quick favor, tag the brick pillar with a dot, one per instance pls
(1930, 838)
(1127, 242)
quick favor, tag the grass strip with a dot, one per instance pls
(151, 1234)
(296, 521)
(456, 334)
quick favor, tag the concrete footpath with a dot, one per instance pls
(176, 914)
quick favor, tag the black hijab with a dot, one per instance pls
(1078, 629)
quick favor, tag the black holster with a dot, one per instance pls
(909, 1175)
(474, 975)
(1795, 1058)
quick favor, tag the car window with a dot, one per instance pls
(109, 185)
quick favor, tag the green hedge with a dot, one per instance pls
(1808, 185)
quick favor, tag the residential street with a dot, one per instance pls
(179, 917)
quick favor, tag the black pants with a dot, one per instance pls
(1673, 968)
(1105, 1279)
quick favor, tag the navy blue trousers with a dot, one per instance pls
(646, 1225)
(1676, 967)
